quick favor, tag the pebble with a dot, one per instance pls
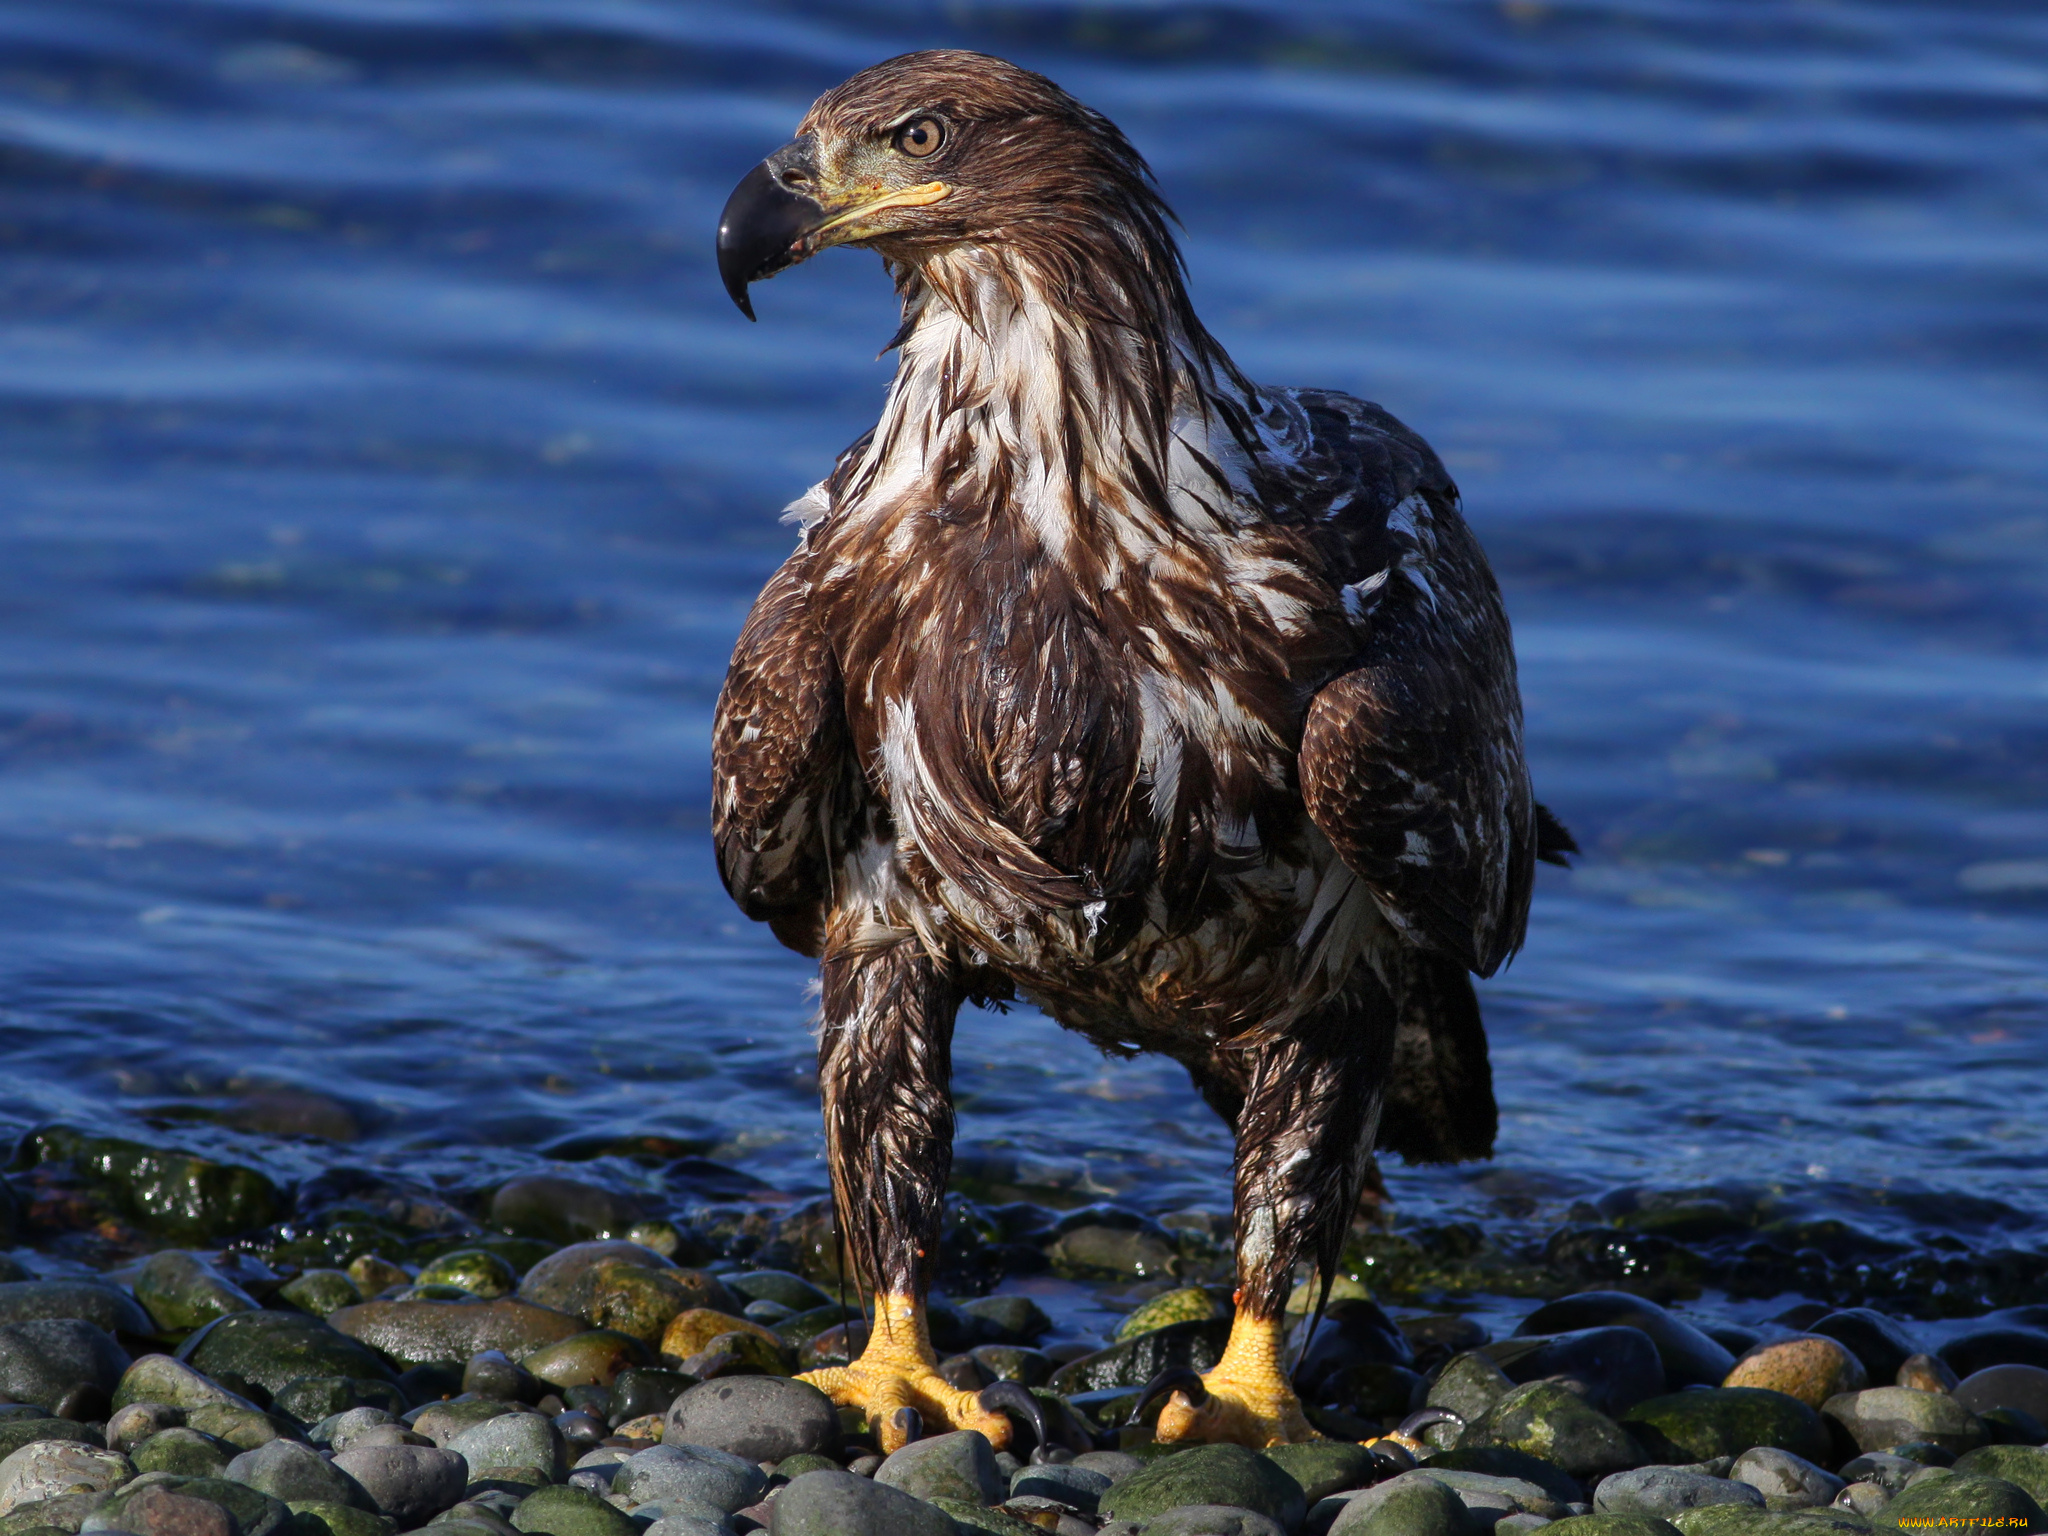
(1208, 1474)
(1094, 1244)
(321, 1292)
(1196, 1346)
(44, 1359)
(690, 1332)
(177, 1195)
(1212, 1520)
(1963, 1501)
(1488, 1497)
(1689, 1356)
(1188, 1304)
(2024, 1465)
(1708, 1422)
(778, 1286)
(1880, 1418)
(1619, 1367)
(26, 1301)
(1968, 1353)
(129, 1426)
(1501, 1461)
(508, 1441)
(182, 1291)
(2024, 1387)
(251, 1513)
(761, 1418)
(685, 1525)
(185, 1452)
(1324, 1467)
(1786, 1480)
(841, 1504)
(1412, 1504)
(1469, 1385)
(1612, 1525)
(417, 1332)
(1545, 1420)
(1077, 1487)
(563, 1511)
(322, 1517)
(162, 1511)
(1664, 1491)
(49, 1468)
(1887, 1471)
(273, 1348)
(1879, 1342)
(1924, 1373)
(584, 1359)
(665, 1473)
(410, 1483)
(160, 1379)
(1864, 1499)
(959, 1466)
(1007, 1319)
(1811, 1367)
(286, 1470)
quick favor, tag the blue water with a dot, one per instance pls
(383, 478)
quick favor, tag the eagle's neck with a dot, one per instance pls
(1075, 401)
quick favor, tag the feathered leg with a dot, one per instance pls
(1304, 1140)
(885, 1067)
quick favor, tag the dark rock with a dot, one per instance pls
(563, 1210)
(624, 1286)
(1504, 1461)
(1964, 1500)
(175, 1195)
(273, 1348)
(1208, 1474)
(1197, 1346)
(1665, 1491)
(777, 1285)
(1687, 1427)
(1786, 1480)
(1013, 1362)
(1926, 1453)
(286, 1471)
(2012, 1426)
(841, 1504)
(1879, 1418)
(158, 1509)
(2024, 1465)
(182, 1291)
(1324, 1467)
(1105, 1242)
(1889, 1472)
(1008, 1319)
(762, 1418)
(310, 1399)
(958, 1466)
(184, 1453)
(15, 1433)
(444, 1422)
(1413, 1504)
(1689, 1356)
(1212, 1520)
(420, 1332)
(569, 1512)
(1489, 1500)
(1621, 1366)
(593, 1357)
(1077, 1487)
(1545, 1420)
(27, 1301)
(640, 1391)
(410, 1483)
(493, 1373)
(1469, 1385)
(1969, 1353)
(665, 1473)
(430, 1381)
(321, 1292)
(1436, 1338)
(43, 1359)
(1351, 1346)
(1733, 1337)
(509, 1441)
(321, 1517)
(1878, 1341)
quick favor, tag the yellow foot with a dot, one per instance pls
(899, 1370)
(1246, 1399)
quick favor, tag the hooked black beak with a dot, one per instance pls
(766, 219)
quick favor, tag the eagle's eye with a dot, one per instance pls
(920, 138)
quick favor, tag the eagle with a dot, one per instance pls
(1180, 706)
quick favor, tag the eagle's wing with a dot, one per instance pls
(1411, 760)
(780, 761)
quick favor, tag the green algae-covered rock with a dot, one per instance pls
(273, 1348)
(1686, 1427)
(1734, 1520)
(1324, 1467)
(1197, 1346)
(1208, 1474)
(2026, 1466)
(183, 1452)
(15, 1433)
(1189, 1304)
(182, 1291)
(1962, 1501)
(310, 1399)
(1408, 1505)
(564, 1511)
(1879, 1418)
(319, 1517)
(1505, 1461)
(592, 1358)
(475, 1270)
(1612, 1525)
(1545, 1420)
(174, 1194)
(26, 1301)
(420, 1332)
(322, 1292)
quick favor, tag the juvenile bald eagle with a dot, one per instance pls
(1182, 706)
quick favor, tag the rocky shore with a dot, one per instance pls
(188, 1348)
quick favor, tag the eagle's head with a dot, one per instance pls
(933, 151)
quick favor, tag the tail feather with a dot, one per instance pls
(1553, 839)
(1439, 1106)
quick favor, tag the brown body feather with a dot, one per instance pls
(1183, 707)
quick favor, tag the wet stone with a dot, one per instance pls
(561, 1210)
(1324, 1467)
(321, 1292)
(410, 1483)
(779, 1286)
(1926, 1453)
(1689, 1357)
(2023, 1465)
(1413, 1504)
(1189, 1304)
(1878, 1341)
(43, 1360)
(131, 1425)
(959, 1466)
(475, 1270)
(1489, 1499)
(1786, 1481)
(693, 1331)
(2012, 1426)
(252, 1513)
(1864, 1499)
(1007, 1319)
(342, 1430)
(185, 1198)
(1469, 1385)
(1090, 1249)
(161, 1510)
(1547, 1421)
(1812, 1368)
(570, 1512)
(1212, 1520)
(639, 1391)
(664, 1474)
(1886, 1470)
(287, 1470)
(321, 1517)
(27, 1301)
(1077, 1487)
(760, 1418)
(185, 1453)
(2024, 1387)
(273, 1348)
(309, 1399)
(1197, 1346)
(420, 1332)
(1969, 1353)
(1208, 1474)
(1664, 1491)
(1686, 1427)
(1620, 1367)
(1882, 1417)
(1013, 1362)
(1923, 1373)
(1963, 1500)
(512, 1440)
(1503, 1461)
(242, 1428)
(1612, 1525)
(50, 1468)
(182, 1291)
(841, 1504)
(591, 1358)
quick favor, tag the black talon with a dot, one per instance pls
(1176, 1378)
(1015, 1397)
(1424, 1418)
(910, 1421)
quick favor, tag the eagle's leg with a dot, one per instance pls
(1304, 1139)
(884, 1067)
